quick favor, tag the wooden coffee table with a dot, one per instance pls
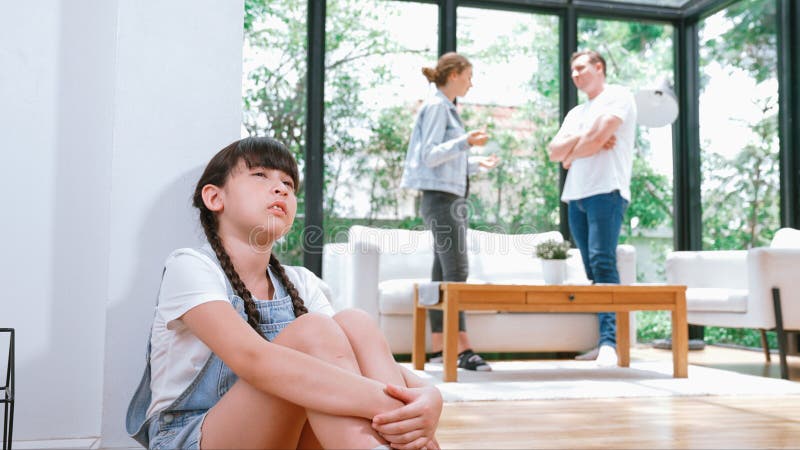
(621, 299)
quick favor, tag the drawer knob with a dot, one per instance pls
(571, 297)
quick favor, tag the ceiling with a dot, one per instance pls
(668, 7)
(667, 3)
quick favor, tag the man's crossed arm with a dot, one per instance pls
(567, 148)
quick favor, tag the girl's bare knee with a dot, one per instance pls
(359, 327)
(354, 317)
(314, 334)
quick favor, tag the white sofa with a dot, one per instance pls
(733, 288)
(377, 268)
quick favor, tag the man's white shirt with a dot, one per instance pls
(606, 170)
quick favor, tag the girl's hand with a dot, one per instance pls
(489, 162)
(477, 137)
(411, 426)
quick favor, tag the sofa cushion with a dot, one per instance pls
(403, 253)
(397, 296)
(505, 257)
(716, 300)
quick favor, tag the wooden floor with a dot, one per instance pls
(636, 423)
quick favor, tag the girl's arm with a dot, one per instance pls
(281, 371)
(435, 150)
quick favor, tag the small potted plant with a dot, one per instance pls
(553, 255)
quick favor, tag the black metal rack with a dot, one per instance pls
(7, 389)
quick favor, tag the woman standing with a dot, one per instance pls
(438, 164)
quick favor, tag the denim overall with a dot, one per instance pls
(178, 425)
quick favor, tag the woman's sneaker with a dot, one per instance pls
(436, 357)
(472, 361)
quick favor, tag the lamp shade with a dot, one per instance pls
(656, 106)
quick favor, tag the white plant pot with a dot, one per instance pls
(554, 270)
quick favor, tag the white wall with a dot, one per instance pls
(108, 110)
(57, 78)
(178, 101)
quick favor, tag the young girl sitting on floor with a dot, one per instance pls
(247, 353)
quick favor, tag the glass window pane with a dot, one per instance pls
(515, 96)
(274, 88)
(738, 126)
(638, 55)
(375, 50)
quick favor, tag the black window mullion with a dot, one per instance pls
(568, 97)
(447, 26)
(313, 236)
(687, 216)
(789, 112)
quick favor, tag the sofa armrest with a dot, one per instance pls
(335, 264)
(351, 272)
(626, 263)
(362, 277)
(769, 268)
(708, 268)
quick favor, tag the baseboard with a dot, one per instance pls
(57, 444)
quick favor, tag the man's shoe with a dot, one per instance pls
(436, 357)
(591, 355)
(472, 361)
(607, 356)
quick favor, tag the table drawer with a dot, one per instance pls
(569, 297)
(508, 297)
(648, 298)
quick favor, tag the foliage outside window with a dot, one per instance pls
(373, 88)
(365, 139)
(515, 97)
(274, 90)
(739, 126)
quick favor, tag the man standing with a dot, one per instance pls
(595, 143)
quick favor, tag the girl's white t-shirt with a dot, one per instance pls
(190, 279)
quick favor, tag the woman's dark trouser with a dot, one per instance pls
(445, 215)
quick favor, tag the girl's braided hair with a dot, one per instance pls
(255, 152)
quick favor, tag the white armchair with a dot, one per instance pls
(756, 288)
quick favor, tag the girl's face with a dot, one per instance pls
(258, 203)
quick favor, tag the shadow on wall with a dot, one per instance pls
(62, 264)
(170, 223)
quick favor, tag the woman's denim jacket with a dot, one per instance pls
(438, 152)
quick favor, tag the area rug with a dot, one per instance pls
(567, 379)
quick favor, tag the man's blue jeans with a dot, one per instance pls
(595, 225)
